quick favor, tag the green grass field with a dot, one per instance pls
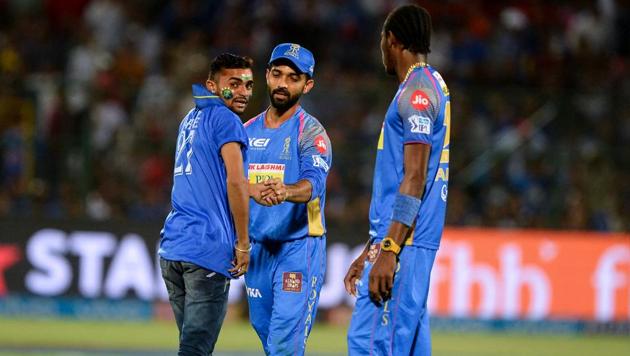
(31, 337)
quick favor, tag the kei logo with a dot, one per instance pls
(258, 143)
(419, 100)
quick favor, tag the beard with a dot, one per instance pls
(286, 103)
(388, 64)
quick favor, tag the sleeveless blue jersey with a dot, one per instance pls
(298, 149)
(419, 113)
(200, 229)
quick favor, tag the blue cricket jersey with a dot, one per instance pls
(298, 149)
(200, 229)
(419, 113)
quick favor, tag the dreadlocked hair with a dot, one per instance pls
(229, 61)
(411, 24)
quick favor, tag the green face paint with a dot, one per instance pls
(226, 93)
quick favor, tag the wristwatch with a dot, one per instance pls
(388, 244)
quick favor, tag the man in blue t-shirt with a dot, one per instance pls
(391, 277)
(205, 239)
(289, 159)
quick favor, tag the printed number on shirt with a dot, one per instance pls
(184, 143)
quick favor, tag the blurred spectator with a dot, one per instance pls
(91, 92)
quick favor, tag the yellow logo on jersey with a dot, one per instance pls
(260, 172)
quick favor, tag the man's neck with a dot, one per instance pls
(406, 61)
(274, 118)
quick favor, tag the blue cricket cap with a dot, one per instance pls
(298, 55)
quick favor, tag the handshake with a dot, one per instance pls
(269, 192)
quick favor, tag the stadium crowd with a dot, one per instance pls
(92, 92)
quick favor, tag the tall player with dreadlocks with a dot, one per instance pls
(408, 207)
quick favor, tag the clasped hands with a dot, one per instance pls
(269, 192)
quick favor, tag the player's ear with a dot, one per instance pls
(310, 83)
(211, 85)
(391, 39)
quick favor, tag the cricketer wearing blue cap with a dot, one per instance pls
(289, 159)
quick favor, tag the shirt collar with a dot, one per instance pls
(204, 98)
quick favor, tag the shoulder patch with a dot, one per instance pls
(419, 100)
(442, 83)
(420, 124)
(320, 144)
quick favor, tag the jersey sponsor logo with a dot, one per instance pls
(318, 161)
(258, 143)
(420, 124)
(419, 100)
(320, 144)
(440, 80)
(260, 172)
(253, 293)
(292, 282)
(442, 174)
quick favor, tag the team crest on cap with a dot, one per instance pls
(293, 51)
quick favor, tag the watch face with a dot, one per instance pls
(387, 244)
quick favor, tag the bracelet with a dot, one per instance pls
(243, 251)
(406, 209)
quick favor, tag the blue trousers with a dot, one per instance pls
(401, 325)
(199, 300)
(283, 284)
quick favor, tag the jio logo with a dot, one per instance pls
(419, 100)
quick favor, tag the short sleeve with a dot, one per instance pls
(315, 156)
(418, 108)
(229, 128)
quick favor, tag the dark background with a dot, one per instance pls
(92, 92)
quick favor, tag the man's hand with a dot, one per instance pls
(241, 262)
(382, 277)
(258, 191)
(354, 273)
(276, 193)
